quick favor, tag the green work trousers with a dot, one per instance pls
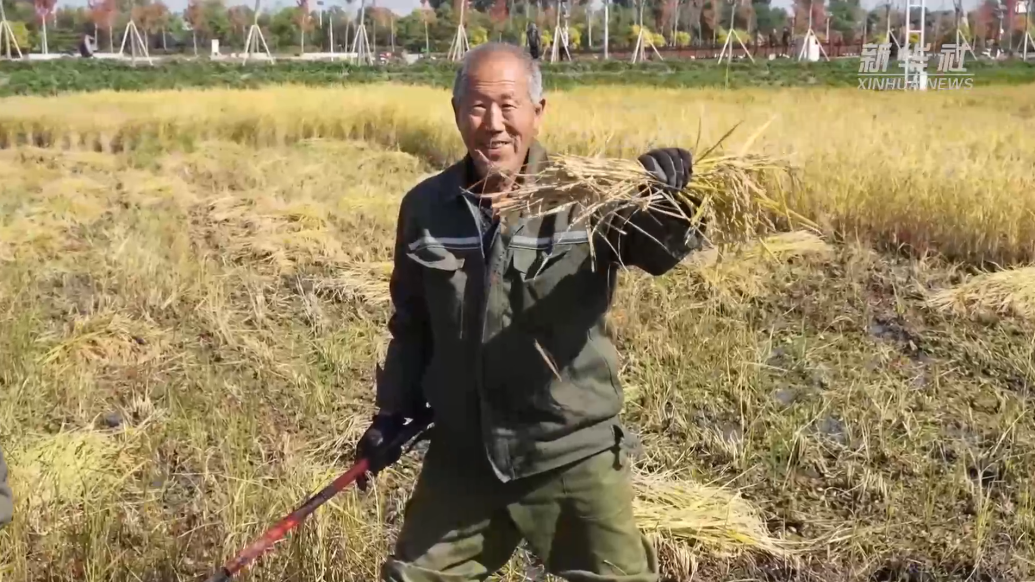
(462, 524)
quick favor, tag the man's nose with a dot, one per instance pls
(494, 118)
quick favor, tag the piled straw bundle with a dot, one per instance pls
(1009, 292)
(67, 469)
(754, 268)
(684, 518)
(737, 197)
(367, 282)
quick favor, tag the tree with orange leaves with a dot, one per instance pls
(304, 20)
(195, 16)
(801, 14)
(152, 18)
(44, 8)
(160, 17)
(1009, 12)
(498, 14)
(103, 13)
(240, 19)
(693, 17)
(427, 15)
(664, 14)
(745, 13)
(710, 13)
(986, 22)
(384, 18)
(461, 8)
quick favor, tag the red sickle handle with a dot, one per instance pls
(288, 523)
(282, 527)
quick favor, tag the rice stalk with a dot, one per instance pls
(732, 197)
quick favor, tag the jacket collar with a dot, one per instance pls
(461, 174)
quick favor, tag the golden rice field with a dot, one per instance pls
(193, 298)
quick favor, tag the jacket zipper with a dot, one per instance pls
(486, 271)
(484, 311)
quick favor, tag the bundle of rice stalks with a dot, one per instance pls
(1010, 292)
(367, 282)
(79, 468)
(737, 196)
(775, 248)
(683, 517)
(754, 268)
(106, 339)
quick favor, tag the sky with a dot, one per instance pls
(406, 6)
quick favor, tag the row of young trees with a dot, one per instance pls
(432, 26)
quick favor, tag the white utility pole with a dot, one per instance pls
(251, 43)
(727, 47)
(360, 43)
(914, 54)
(460, 44)
(7, 35)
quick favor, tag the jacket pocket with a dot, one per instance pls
(438, 259)
(541, 271)
(533, 263)
(444, 285)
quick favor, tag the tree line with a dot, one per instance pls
(310, 25)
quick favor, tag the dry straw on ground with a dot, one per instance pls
(682, 518)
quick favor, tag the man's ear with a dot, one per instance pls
(540, 109)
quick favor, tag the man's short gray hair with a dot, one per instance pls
(535, 77)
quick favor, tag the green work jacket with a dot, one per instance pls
(506, 344)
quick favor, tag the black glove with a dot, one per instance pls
(673, 167)
(374, 445)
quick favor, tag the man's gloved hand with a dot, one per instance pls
(373, 445)
(672, 166)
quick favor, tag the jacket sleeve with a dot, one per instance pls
(399, 382)
(6, 501)
(655, 241)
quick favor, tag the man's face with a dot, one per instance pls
(496, 117)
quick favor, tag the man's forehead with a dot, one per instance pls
(499, 87)
(497, 67)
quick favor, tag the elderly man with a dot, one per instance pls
(520, 448)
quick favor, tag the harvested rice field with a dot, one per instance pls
(193, 296)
